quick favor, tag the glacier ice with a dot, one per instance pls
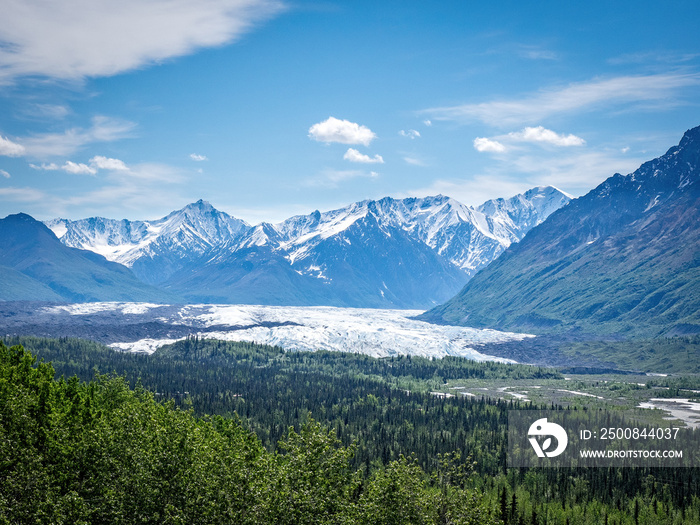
(375, 332)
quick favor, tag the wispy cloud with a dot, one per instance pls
(44, 111)
(198, 158)
(31, 195)
(411, 134)
(87, 38)
(483, 144)
(536, 53)
(142, 188)
(331, 178)
(103, 129)
(10, 149)
(577, 173)
(353, 155)
(413, 161)
(342, 131)
(75, 168)
(46, 167)
(78, 168)
(584, 96)
(649, 57)
(5, 174)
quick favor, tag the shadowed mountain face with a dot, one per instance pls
(622, 259)
(405, 253)
(34, 265)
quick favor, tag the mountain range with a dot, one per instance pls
(35, 266)
(398, 253)
(623, 259)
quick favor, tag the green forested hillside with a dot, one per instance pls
(100, 452)
(105, 452)
(622, 260)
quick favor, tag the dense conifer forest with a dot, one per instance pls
(208, 431)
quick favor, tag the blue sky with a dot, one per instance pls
(267, 109)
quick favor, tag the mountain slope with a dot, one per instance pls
(34, 265)
(409, 253)
(154, 250)
(362, 265)
(625, 258)
(406, 253)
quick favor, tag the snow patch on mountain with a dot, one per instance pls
(423, 249)
(192, 230)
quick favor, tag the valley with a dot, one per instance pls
(143, 327)
(585, 373)
(319, 323)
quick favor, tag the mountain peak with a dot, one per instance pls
(689, 136)
(199, 206)
(621, 259)
(20, 217)
(22, 226)
(546, 190)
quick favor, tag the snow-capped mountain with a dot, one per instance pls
(154, 250)
(35, 266)
(412, 252)
(468, 238)
(622, 259)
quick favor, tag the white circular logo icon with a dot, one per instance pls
(543, 431)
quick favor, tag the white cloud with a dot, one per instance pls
(10, 149)
(536, 53)
(355, 156)
(23, 195)
(414, 161)
(541, 134)
(147, 190)
(103, 129)
(143, 188)
(198, 158)
(78, 168)
(651, 57)
(74, 39)
(428, 122)
(4, 174)
(104, 163)
(578, 173)
(583, 96)
(44, 111)
(411, 134)
(48, 167)
(342, 131)
(483, 144)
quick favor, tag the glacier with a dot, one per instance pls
(375, 332)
